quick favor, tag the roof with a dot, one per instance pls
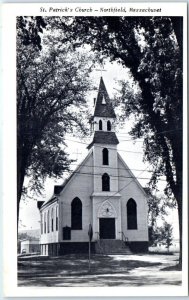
(103, 106)
(104, 137)
(132, 175)
(59, 188)
(48, 202)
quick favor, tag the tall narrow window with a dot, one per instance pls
(56, 218)
(105, 154)
(52, 220)
(131, 214)
(45, 223)
(105, 182)
(48, 221)
(109, 126)
(76, 214)
(41, 223)
(100, 125)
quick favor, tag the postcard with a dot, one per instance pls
(95, 149)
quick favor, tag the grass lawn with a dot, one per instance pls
(106, 270)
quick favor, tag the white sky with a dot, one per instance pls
(29, 214)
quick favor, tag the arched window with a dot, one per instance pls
(52, 220)
(105, 160)
(56, 218)
(105, 182)
(109, 126)
(76, 214)
(131, 214)
(100, 125)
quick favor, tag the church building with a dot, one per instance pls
(102, 192)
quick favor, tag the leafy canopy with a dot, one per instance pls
(52, 87)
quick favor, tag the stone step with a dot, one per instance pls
(112, 247)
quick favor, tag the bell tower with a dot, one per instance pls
(104, 143)
(105, 168)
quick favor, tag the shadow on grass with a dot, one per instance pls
(74, 265)
(72, 270)
(98, 281)
(176, 267)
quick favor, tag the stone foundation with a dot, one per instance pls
(56, 249)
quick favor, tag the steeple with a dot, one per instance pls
(103, 105)
(103, 119)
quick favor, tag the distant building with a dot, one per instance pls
(102, 191)
(29, 246)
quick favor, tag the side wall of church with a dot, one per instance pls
(80, 186)
(130, 189)
(49, 229)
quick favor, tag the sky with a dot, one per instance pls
(131, 152)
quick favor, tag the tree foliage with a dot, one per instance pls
(166, 234)
(52, 85)
(161, 235)
(29, 29)
(158, 208)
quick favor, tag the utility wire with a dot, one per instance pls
(127, 140)
(79, 142)
(112, 168)
(107, 198)
(117, 176)
(124, 186)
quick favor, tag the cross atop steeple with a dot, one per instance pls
(101, 70)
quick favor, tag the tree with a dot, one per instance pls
(29, 29)
(151, 48)
(166, 235)
(157, 211)
(52, 85)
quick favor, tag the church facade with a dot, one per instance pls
(102, 192)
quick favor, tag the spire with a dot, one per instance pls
(103, 118)
(103, 106)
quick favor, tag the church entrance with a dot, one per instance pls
(107, 228)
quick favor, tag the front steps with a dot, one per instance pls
(107, 246)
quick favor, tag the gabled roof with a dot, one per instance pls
(59, 188)
(49, 202)
(103, 106)
(132, 175)
(104, 137)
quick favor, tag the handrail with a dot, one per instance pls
(98, 234)
(99, 242)
(124, 238)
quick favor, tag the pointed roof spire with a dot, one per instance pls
(103, 106)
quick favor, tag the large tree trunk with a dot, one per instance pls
(176, 143)
(22, 162)
(178, 193)
(20, 182)
(180, 231)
